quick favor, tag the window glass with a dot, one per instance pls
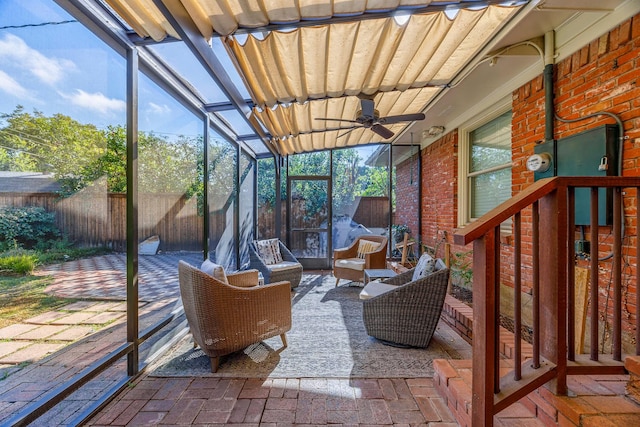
(490, 165)
(170, 193)
(360, 194)
(491, 144)
(267, 198)
(488, 190)
(222, 200)
(247, 203)
(309, 163)
(62, 106)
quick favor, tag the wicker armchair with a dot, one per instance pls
(225, 318)
(289, 269)
(408, 314)
(347, 265)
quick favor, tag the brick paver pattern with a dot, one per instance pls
(195, 401)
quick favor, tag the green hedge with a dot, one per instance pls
(27, 227)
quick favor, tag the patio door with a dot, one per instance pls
(309, 220)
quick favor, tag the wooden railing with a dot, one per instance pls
(549, 208)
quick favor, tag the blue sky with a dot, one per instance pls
(65, 69)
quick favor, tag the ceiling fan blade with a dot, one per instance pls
(382, 131)
(348, 132)
(367, 107)
(402, 118)
(336, 120)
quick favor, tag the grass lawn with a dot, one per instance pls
(23, 297)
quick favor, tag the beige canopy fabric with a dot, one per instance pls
(296, 76)
(298, 130)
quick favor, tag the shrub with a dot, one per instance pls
(27, 227)
(18, 264)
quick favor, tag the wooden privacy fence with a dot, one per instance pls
(92, 219)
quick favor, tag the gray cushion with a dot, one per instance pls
(214, 270)
(425, 266)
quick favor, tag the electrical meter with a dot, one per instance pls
(539, 162)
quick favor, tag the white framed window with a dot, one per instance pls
(484, 165)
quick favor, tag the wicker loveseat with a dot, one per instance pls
(224, 318)
(349, 264)
(407, 312)
(289, 269)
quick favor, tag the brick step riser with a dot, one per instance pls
(548, 409)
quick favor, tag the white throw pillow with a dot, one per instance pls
(214, 270)
(269, 251)
(425, 266)
(366, 247)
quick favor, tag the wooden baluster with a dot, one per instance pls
(535, 241)
(496, 308)
(571, 274)
(553, 286)
(483, 330)
(637, 272)
(517, 304)
(594, 273)
(617, 274)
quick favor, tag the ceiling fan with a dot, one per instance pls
(368, 117)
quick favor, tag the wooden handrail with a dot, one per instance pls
(504, 211)
(534, 192)
(552, 204)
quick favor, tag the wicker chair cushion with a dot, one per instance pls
(366, 247)
(352, 263)
(282, 265)
(269, 251)
(214, 270)
(375, 288)
(425, 266)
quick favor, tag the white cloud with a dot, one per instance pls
(158, 109)
(47, 70)
(9, 85)
(96, 101)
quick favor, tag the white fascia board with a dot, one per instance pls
(585, 27)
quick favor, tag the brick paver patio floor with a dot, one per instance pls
(45, 351)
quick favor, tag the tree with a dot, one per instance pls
(78, 154)
(57, 144)
(351, 179)
(222, 174)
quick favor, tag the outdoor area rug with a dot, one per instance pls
(327, 340)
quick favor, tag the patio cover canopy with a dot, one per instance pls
(304, 60)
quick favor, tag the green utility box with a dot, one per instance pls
(589, 153)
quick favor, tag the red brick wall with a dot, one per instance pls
(602, 76)
(439, 208)
(407, 204)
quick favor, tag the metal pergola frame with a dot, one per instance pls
(102, 22)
